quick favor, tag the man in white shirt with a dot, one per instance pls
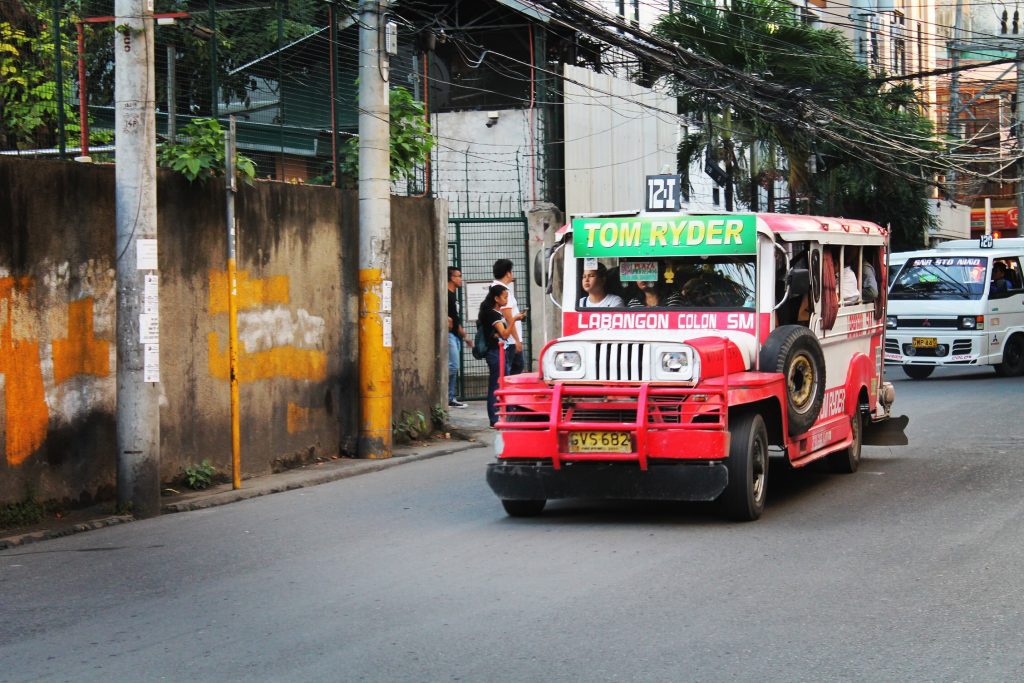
(513, 317)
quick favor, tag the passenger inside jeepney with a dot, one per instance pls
(594, 283)
(655, 290)
(711, 285)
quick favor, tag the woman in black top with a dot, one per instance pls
(491, 319)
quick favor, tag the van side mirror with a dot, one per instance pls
(798, 282)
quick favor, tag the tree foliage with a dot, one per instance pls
(868, 145)
(200, 155)
(411, 141)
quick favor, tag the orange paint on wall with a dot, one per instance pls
(280, 361)
(26, 413)
(251, 293)
(80, 353)
(298, 418)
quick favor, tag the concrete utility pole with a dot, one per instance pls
(374, 236)
(952, 120)
(1020, 136)
(138, 311)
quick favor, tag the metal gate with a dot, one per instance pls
(474, 244)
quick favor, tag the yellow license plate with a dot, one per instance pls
(600, 442)
(924, 342)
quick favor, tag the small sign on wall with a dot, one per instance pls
(664, 193)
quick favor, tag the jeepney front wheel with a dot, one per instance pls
(523, 508)
(747, 465)
(794, 351)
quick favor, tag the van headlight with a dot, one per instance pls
(891, 322)
(564, 361)
(675, 363)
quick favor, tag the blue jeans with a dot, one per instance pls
(492, 383)
(453, 364)
(514, 362)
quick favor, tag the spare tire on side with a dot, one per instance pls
(794, 351)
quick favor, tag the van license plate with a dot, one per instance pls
(600, 442)
(925, 342)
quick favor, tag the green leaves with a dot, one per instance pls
(200, 155)
(410, 142)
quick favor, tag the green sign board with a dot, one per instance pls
(671, 235)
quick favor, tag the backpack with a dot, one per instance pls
(480, 343)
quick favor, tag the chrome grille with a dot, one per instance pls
(593, 414)
(620, 361)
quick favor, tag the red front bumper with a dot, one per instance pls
(664, 422)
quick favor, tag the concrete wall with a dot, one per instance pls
(298, 317)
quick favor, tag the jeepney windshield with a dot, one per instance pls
(941, 278)
(689, 282)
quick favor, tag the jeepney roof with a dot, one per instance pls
(789, 227)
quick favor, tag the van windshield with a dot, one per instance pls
(715, 282)
(946, 278)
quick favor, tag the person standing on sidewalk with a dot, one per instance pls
(455, 334)
(492, 321)
(513, 316)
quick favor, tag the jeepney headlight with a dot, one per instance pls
(564, 361)
(675, 364)
(971, 322)
(568, 361)
(890, 322)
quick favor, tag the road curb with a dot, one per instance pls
(257, 486)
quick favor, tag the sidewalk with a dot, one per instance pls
(469, 428)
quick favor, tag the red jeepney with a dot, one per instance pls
(692, 348)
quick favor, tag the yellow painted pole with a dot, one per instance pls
(375, 390)
(236, 429)
(374, 367)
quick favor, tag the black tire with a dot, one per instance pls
(919, 371)
(523, 508)
(1013, 357)
(794, 351)
(745, 493)
(847, 460)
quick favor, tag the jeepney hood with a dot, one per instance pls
(743, 341)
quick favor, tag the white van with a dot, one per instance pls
(948, 307)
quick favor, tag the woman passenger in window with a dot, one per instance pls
(595, 284)
(650, 293)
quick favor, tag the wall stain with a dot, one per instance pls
(80, 353)
(280, 361)
(278, 338)
(24, 397)
(251, 293)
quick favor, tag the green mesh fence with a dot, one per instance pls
(476, 243)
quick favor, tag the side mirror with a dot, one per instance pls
(798, 282)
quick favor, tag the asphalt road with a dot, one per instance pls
(907, 570)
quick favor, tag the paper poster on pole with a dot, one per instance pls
(145, 255)
(386, 319)
(151, 363)
(385, 296)
(149, 328)
(151, 294)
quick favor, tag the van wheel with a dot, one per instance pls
(744, 495)
(1013, 357)
(918, 371)
(523, 508)
(794, 351)
(847, 460)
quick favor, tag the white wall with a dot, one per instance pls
(492, 162)
(616, 133)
